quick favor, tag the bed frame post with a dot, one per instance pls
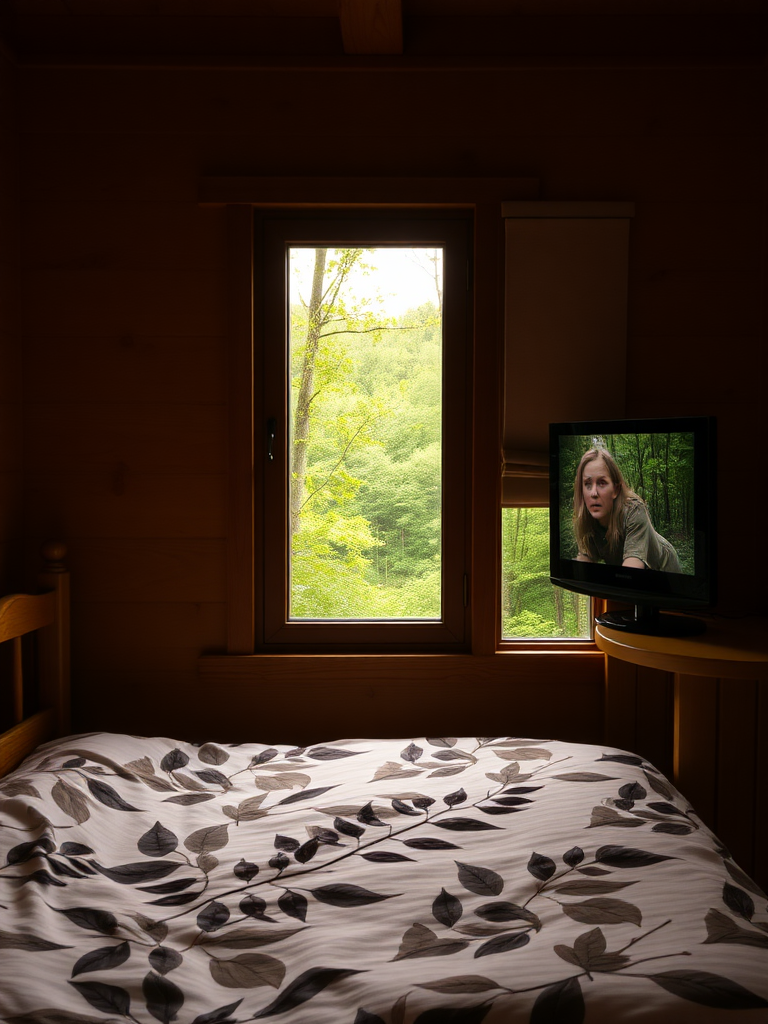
(54, 639)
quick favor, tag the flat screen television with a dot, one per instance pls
(632, 518)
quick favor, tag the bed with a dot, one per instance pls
(418, 880)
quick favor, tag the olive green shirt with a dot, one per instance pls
(640, 541)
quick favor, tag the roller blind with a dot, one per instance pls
(565, 330)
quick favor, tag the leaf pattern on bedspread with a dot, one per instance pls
(446, 880)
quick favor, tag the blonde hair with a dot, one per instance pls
(584, 526)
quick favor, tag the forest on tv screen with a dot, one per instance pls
(656, 466)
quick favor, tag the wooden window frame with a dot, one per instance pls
(275, 232)
(483, 198)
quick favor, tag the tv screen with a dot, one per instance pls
(632, 517)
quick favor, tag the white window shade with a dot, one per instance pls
(565, 330)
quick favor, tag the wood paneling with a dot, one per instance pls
(125, 321)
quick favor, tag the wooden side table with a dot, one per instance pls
(720, 728)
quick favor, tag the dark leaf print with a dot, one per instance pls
(164, 960)
(71, 801)
(206, 840)
(503, 911)
(249, 938)
(511, 801)
(344, 895)
(174, 760)
(158, 841)
(709, 990)
(42, 877)
(367, 816)
(221, 1016)
(176, 900)
(213, 777)
(740, 902)
(306, 851)
(458, 797)
(212, 917)
(464, 825)
(412, 752)
(627, 857)
(248, 970)
(102, 921)
(303, 988)
(108, 796)
(266, 755)
(665, 808)
(673, 828)
(463, 984)
(286, 843)
(130, 874)
(584, 777)
(721, 928)
(602, 910)
(623, 759)
(254, 906)
(428, 843)
(447, 909)
(743, 879)
(164, 999)
(212, 753)
(307, 794)
(481, 881)
(587, 887)
(69, 849)
(633, 791)
(384, 857)
(420, 941)
(541, 867)
(503, 943)
(102, 959)
(26, 851)
(330, 753)
(293, 904)
(245, 870)
(107, 998)
(187, 799)
(403, 808)
(573, 856)
(348, 828)
(23, 940)
(562, 1003)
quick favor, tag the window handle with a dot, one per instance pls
(271, 432)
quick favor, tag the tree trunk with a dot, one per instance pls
(300, 442)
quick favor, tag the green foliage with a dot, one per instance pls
(368, 521)
(531, 605)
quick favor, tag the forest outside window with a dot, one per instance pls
(365, 379)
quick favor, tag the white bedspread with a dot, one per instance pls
(443, 880)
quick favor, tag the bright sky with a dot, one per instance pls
(400, 279)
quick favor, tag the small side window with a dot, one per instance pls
(532, 608)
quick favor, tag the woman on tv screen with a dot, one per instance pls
(611, 522)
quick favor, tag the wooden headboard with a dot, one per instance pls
(45, 614)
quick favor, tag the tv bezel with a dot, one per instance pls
(649, 591)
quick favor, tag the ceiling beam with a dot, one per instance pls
(371, 26)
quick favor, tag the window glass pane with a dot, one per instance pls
(531, 607)
(365, 433)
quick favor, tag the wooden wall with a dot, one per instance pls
(124, 309)
(10, 340)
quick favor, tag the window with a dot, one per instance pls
(365, 376)
(531, 606)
